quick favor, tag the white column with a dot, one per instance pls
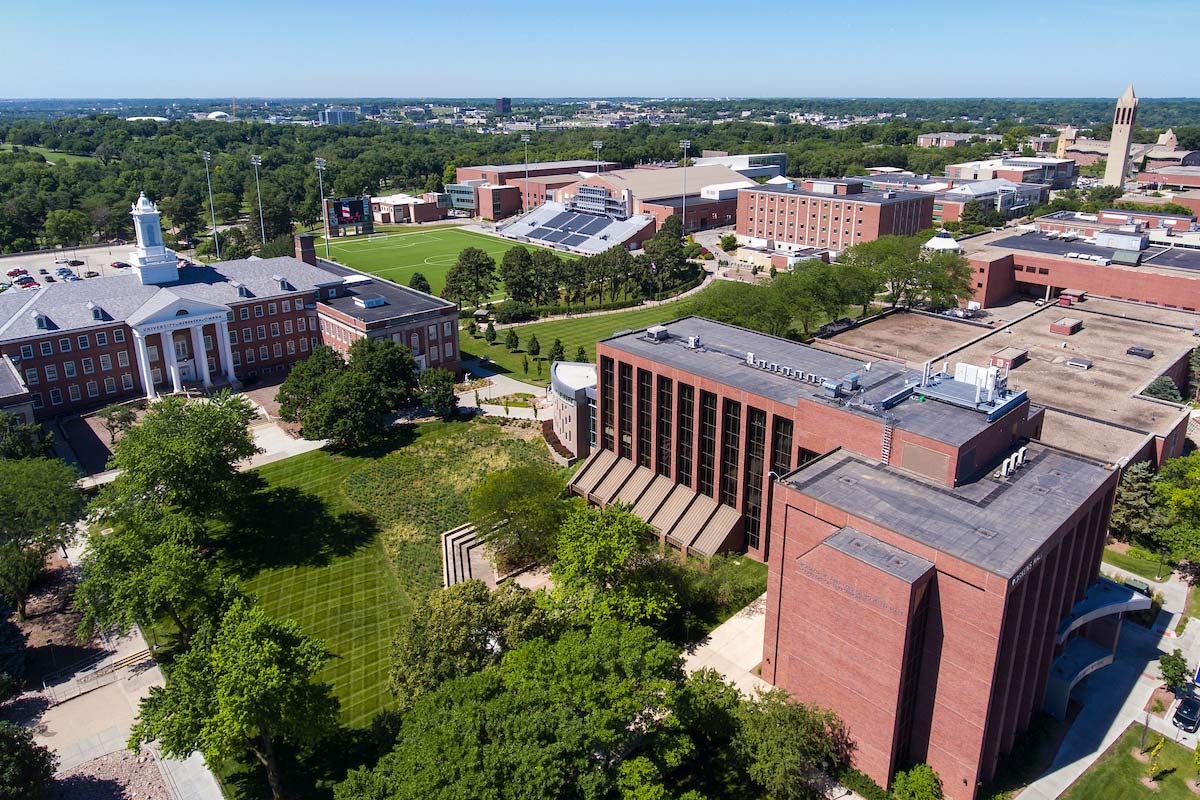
(225, 349)
(143, 361)
(168, 346)
(200, 355)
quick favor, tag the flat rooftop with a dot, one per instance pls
(996, 524)
(722, 358)
(398, 300)
(878, 554)
(1155, 257)
(879, 197)
(566, 165)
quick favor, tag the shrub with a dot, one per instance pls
(515, 311)
(1163, 388)
(862, 785)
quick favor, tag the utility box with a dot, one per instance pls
(1066, 326)
(1009, 357)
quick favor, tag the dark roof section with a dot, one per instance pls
(398, 300)
(879, 554)
(722, 358)
(997, 524)
(1153, 256)
(875, 197)
(11, 386)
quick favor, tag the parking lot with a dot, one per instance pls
(95, 259)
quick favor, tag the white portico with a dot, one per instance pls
(166, 316)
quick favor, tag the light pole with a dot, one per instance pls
(320, 162)
(262, 226)
(211, 208)
(685, 144)
(596, 145)
(525, 200)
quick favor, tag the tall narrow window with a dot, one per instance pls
(756, 442)
(625, 410)
(686, 430)
(730, 446)
(781, 445)
(663, 451)
(645, 419)
(705, 472)
(607, 411)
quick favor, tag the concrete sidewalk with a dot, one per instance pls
(734, 648)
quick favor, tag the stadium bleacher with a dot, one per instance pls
(553, 225)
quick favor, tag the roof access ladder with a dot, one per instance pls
(885, 448)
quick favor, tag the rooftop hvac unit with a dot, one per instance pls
(750, 359)
(658, 333)
(832, 388)
(694, 342)
(1021, 455)
(850, 381)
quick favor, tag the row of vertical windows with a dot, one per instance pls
(607, 432)
(731, 425)
(645, 403)
(625, 412)
(663, 457)
(781, 445)
(756, 440)
(705, 476)
(683, 442)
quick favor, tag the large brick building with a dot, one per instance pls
(160, 327)
(932, 566)
(828, 213)
(544, 179)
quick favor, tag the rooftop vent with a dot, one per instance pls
(657, 333)
(694, 342)
(370, 301)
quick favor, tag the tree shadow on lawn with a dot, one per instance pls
(280, 526)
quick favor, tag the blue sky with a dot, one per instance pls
(855, 48)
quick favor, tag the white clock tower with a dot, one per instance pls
(153, 262)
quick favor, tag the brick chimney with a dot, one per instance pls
(306, 251)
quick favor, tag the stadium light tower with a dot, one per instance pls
(525, 200)
(262, 226)
(211, 208)
(686, 145)
(596, 145)
(320, 162)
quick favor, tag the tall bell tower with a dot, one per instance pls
(153, 262)
(1118, 142)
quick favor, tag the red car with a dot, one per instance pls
(12, 273)
(30, 285)
(119, 265)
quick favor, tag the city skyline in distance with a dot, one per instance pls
(546, 49)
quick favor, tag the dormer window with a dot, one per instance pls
(282, 282)
(241, 289)
(41, 321)
(97, 311)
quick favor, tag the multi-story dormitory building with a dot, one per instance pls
(933, 568)
(160, 327)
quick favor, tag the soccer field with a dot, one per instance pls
(396, 256)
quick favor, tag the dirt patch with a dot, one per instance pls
(1149, 784)
(116, 776)
(50, 628)
(1160, 702)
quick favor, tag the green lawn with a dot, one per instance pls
(348, 544)
(430, 251)
(1146, 567)
(573, 332)
(1116, 776)
(50, 155)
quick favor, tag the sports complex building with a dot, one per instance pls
(933, 560)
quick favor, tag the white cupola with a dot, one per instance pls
(153, 262)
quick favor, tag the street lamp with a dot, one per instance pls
(525, 200)
(320, 162)
(685, 144)
(596, 145)
(262, 226)
(211, 208)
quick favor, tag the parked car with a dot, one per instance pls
(1187, 716)
(119, 265)
(32, 285)
(74, 262)
(60, 260)
(50, 279)
(12, 273)
(91, 273)
(43, 272)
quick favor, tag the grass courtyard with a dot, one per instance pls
(350, 542)
(1117, 775)
(430, 251)
(53, 156)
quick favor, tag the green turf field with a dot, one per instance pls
(53, 156)
(396, 256)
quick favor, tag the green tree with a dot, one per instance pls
(1174, 669)
(472, 277)
(183, 454)
(390, 367)
(1177, 496)
(604, 567)
(557, 351)
(511, 340)
(518, 512)
(116, 419)
(943, 279)
(972, 214)
(792, 748)
(437, 392)
(449, 175)
(472, 329)
(533, 346)
(183, 210)
(1163, 388)
(1135, 514)
(20, 439)
(26, 768)
(525, 363)
(517, 273)
(489, 333)
(350, 412)
(729, 242)
(142, 570)
(419, 282)
(458, 631)
(581, 354)
(228, 206)
(918, 783)
(548, 271)
(248, 686)
(67, 227)
(39, 503)
(307, 381)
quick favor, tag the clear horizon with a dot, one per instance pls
(768, 49)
